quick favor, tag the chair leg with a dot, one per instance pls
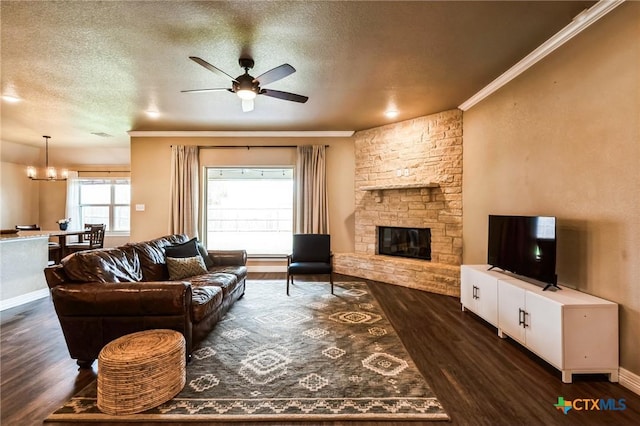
(331, 280)
(287, 283)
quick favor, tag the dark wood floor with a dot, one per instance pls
(479, 378)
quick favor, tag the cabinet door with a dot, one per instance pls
(544, 328)
(511, 310)
(466, 289)
(479, 292)
(487, 297)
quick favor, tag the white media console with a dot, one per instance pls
(573, 331)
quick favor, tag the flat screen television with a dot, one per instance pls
(525, 246)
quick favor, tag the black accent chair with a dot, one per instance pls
(311, 255)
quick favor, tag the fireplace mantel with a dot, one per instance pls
(377, 189)
(400, 186)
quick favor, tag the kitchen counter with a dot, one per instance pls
(22, 262)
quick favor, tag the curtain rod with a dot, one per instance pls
(104, 171)
(247, 146)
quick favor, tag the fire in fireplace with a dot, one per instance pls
(405, 242)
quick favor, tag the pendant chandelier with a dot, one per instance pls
(51, 174)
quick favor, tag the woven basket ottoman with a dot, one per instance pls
(140, 371)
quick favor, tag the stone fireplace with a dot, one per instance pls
(409, 175)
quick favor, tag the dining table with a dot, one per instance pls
(60, 235)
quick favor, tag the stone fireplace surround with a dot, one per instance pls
(430, 148)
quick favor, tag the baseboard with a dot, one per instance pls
(629, 380)
(267, 268)
(24, 298)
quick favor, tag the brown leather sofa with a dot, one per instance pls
(103, 294)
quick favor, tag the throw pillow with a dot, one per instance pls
(184, 267)
(188, 249)
(205, 255)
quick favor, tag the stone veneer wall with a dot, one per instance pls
(431, 149)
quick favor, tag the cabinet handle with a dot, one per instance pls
(524, 323)
(475, 292)
(521, 317)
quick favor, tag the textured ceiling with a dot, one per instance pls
(88, 67)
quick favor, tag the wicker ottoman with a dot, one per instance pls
(140, 371)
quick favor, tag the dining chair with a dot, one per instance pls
(87, 231)
(94, 239)
(311, 255)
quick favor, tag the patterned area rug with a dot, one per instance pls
(310, 356)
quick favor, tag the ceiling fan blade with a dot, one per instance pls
(275, 74)
(210, 67)
(284, 95)
(247, 105)
(218, 89)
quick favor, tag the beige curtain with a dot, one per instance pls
(184, 190)
(312, 209)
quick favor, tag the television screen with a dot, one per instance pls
(524, 245)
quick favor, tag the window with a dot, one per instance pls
(105, 201)
(250, 208)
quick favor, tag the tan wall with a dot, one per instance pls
(150, 165)
(18, 197)
(563, 139)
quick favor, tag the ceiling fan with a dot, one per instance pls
(248, 87)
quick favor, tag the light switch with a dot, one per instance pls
(139, 207)
(406, 172)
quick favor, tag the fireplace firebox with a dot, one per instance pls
(405, 242)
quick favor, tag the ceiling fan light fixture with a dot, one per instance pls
(247, 87)
(246, 94)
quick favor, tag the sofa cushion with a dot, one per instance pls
(227, 282)
(205, 300)
(104, 265)
(238, 271)
(184, 267)
(187, 249)
(152, 256)
(205, 255)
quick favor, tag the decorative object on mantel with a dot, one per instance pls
(63, 223)
(51, 172)
(379, 188)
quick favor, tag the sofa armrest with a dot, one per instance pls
(123, 299)
(55, 275)
(228, 257)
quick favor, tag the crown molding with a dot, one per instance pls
(579, 23)
(240, 134)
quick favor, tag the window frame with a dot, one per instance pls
(112, 182)
(205, 204)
